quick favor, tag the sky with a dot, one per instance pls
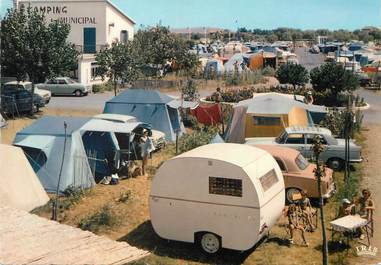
(265, 14)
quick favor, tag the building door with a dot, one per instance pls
(89, 40)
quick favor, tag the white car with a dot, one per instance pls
(301, 138)
(157, 137)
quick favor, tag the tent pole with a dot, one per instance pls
(55, 203)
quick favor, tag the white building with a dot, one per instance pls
(95, 24)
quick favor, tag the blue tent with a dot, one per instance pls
(149, 106)
(214, 66)
(43, 144)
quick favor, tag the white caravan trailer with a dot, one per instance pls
(218, 195)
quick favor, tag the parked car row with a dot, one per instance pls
(301, 138)
(65, 86)
(16, 97)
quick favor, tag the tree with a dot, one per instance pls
(34, 49)
(317, 149)
(156, 46)
(291, 73)
(333, 79)
(118, 63)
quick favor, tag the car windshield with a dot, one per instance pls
(281, 138)
(301, 162)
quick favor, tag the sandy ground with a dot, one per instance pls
(135, 228)
(372, 179)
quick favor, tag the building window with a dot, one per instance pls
(225, 186)
(94, 71)
(269, 180)
(89, 40)
(124, 36)
(266, 121)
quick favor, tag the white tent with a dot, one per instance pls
(19, 185)
(3, 122)
(226, 194)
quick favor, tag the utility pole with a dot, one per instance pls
(317, 149)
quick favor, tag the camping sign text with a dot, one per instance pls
(56, 11)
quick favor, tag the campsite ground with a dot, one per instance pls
(128, 203)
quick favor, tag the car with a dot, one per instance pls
(299, 174)
(158, 137)
(17, 97)
(65, 86)
(301, 139)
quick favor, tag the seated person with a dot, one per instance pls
(295, 224)
(366, 205)
(307, 210)
(346, 208)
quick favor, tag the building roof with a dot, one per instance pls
(141, 96)
(237, 154)
(120, 11)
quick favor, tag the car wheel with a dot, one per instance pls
(335, 164)
(78, 93)
(210, 243)
(290, 194)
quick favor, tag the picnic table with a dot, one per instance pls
(349, 226)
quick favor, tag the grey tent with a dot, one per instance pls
(149, 106)
(43, 144)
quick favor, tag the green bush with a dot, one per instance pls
(190, 90)
(100, 88)
(72, 196)
(97, 220)
(197, 138)
(335, 121)
(235, 95)
(268, 71)
(190, 121)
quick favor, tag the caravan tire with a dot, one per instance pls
(210, 243)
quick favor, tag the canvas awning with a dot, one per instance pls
(41, 142)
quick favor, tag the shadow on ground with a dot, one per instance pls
(144, 237)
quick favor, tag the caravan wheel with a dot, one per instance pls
(210, 243)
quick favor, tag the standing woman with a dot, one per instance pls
(147, 147)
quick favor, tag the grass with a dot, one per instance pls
(125, 196)
(126, 218)
(101, 219)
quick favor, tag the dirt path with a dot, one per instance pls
(372, 179)
(372, 154)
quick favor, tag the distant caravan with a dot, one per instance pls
(219, 196)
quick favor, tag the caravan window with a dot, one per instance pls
(225, 186)
(266, 121)
(268, 180)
